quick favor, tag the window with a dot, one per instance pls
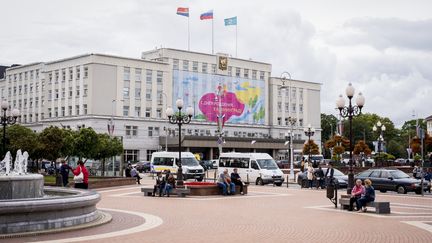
(229, 71)
(237, 72)
(204, 67)
(31, 87)
(77, 110)
(175, 64)
(131, 155)
(294, 107)
(159, 97)
(137, 111)
(126, 73)
(137, 90)
(159, 77)
(78, 73)
(85, 109)
(148, 112)
(301, 108)
(77, 91)
(301, 122)
(125, 110)
(70, 73)
(254, 74)
(246, 73)
(159, 113)
(63, 93)
(131, 131)
(25, 88)
(279, 119)
(279, 90)
(63, 111)
(85, 90)
(149, 75)
(262, 75)
(185, 65)
(213, 66)
(195, 66)
(301, 94)
(149, 154)
(70, 110)
(49, 94)
(56, 114)
(234, 162)
(279, 106)
(148, 93)
(85, 72)
(138, 74)
(375, 173)
(286, 107)
(63, 75)
(293, 93)
(153, 131)
(126, 85)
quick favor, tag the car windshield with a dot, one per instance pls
(268, 164)
(398, 174)
(189, 161)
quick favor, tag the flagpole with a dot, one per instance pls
(236, 39)
(188, 34)
(213, 35)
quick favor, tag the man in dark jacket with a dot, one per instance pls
(64, 171)
(319, 175)
(329, 174)
(236, 179)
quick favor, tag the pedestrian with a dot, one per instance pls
(224, 182)
(319, 175)
(170, 184)
(310, 175)
(236, 179)
(428, 178)
(128, 170)
(64, 171)
(357, 191)
(134, 173)
(81, 176)
(160, 184)
(369, 196)
(329, 174)
(302, 164)
(415, 171)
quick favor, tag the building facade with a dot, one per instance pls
(93, 89)
(429, 125)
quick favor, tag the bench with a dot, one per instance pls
(181, 192)
(380, 207)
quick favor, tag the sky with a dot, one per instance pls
(384, 48)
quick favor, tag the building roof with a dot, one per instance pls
(202, 53)
(429, 118)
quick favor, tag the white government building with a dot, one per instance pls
(89, 90)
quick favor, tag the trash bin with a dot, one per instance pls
(330, 191)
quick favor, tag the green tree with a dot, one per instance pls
(107, 147)
(51, 141)
(85, 144)
(20, 137)
(396, 149)
(328, 126)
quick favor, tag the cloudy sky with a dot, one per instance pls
(383, 47)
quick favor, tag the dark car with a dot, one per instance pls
(282, 164)
(337, 174)
(389, 179)
(142, 166)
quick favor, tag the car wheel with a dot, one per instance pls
(278, 184)
(383, 191)
(259, 182)
(304, 184)
(200, 179)
(401, 190)
(418, 191)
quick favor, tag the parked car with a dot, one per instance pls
(283, 164)
(142, 166)
(400, 161)
(341, 177)
(389, 179)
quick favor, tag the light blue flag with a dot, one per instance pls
(231, 21)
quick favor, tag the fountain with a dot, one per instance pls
(27, 206)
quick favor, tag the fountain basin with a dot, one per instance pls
(60, 208)
(21, 186)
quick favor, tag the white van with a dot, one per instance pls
(258, 168)
(161, 161)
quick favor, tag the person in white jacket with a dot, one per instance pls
(310, 174)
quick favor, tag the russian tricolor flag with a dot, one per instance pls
(207, 15)
(183, 11)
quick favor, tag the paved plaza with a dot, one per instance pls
(266, 214)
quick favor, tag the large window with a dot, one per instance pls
(204, 67)
(153, 131)
(138, 74)
(131, 131)
(185, 65)
(159, 77)
(175, 64)
(126, 87)
(165, 161)
(234, 162)
(125, 110)
(126, 73)
(195, 66)
(131, 155)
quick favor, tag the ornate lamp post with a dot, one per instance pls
(179, 118)
(381, 129)
(8, 120)
(309, 132)
(220, 116)
(349, 112)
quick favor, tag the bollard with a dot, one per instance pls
(214, 178)
(287, 179)
(205, 178)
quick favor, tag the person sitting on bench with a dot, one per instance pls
(368, 197)
(170, 184)
(356, 193)
(224, 182)
(160, 184)
(236, 179)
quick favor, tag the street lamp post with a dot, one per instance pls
(291, 120)
(349, 112)
(381, 129)
(179, 118)
(8, 120)
(309, 132)
(220, 116)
